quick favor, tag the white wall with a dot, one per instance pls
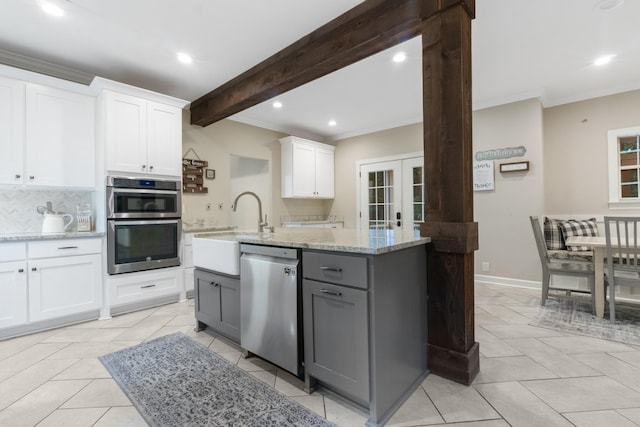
(575, 158)
(505, 237)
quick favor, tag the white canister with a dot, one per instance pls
(55, 223)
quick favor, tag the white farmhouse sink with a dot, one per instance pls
(217, 253)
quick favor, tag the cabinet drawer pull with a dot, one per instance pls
(328, 292)
(21, 270)
(336, 269)
(67, 247)
(147, 286)
(33, 268)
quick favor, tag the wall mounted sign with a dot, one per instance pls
(501, 153)
(514, 167)
(483, 176)
(192, 172)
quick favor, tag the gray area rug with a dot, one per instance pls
(575, 315)
(176, 381)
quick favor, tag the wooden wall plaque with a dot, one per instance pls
(192, 176)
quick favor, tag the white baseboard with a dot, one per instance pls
(629, 295)
(507, 281)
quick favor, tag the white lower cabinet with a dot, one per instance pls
(13, 284)
(13, 293)
(138, 288)
(42, 281)
(64, 286)
(65, 277)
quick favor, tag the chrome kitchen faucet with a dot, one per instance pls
(261, 224)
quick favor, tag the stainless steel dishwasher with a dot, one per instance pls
(269, 296)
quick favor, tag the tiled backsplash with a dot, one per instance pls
(18, 208)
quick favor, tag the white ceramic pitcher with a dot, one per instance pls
(55, 223)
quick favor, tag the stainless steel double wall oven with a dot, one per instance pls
(143, 224)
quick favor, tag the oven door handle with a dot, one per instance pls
(142, 190)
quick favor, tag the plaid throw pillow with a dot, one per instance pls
(579, 228)
(553, 234)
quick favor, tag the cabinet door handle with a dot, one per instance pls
(328, 292)
(18, 176)
(67, 247)
(147, 286)
(144, 166)
(21, 270)
(336, 269)
(151, 167)
(32, 177)
(214, 284)
(33, 268)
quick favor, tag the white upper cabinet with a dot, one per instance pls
(126, 132)
(60, 138)
(47, 136)
(307, 169)
(164, 133)
(11, 130)
(142, 136)
(324, 172)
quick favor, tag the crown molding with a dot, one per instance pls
(43, 67)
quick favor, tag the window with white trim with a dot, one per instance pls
(624, 167)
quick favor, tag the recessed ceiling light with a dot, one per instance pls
(603, 60)
(400, 57)
(332, 123)
(52, 9)
(277, 104)
(604, 5)
(184, 58)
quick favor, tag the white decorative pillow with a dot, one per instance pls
(573, 228)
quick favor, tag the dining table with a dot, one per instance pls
(598, 244)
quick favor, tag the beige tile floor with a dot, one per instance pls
(528, 376)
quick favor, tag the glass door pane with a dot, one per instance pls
(413, 194)
(381, 195)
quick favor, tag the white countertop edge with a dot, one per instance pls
(29, 236)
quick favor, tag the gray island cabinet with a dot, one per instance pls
(217, 303)
(365, 326)
(363, 312)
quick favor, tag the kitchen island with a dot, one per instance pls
(363, 312)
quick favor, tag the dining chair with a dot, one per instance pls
(622, 256)
(561, 267)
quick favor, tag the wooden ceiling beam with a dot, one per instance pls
(369, 28)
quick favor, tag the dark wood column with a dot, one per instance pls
(446, 43)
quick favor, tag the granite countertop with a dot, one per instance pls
(329, 239)
(203, 228)
(27, 236)
(313, 222)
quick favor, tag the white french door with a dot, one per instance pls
(381, 195)
(392, 195)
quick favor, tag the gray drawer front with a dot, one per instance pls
(339, 269)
